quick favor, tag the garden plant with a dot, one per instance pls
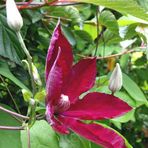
(74, 74)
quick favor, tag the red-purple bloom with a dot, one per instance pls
(65, 83)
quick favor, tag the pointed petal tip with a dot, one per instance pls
(97, 106)
(96, 133)
(81, 78)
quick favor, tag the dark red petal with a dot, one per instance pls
(54, 83)
(59, 127)
(97, 106)
(59, 42)
(95, 133)
(81, 79)
(56, 125)
(49, 113)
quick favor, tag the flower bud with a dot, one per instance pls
(26, 95)
(14, 18)
(115, 82)
(36, 75)
(32, 102)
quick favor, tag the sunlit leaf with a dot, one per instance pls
(42, 136)
(134, 91)
(124, 6)
(108, 20)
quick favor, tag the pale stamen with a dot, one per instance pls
(63, 104)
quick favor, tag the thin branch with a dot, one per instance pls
(13, 113)
(110, 56)
(39, 117)
(118, 54)
(18, 119)
(97, 29)
(55, 17)
(16, 106)
(11, 128)
(35, 5)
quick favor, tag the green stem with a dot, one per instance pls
(28, 133)
(32, 115)
(29, 59)
(31, 108)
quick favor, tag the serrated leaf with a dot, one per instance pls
(108, 20)
(123, 6)
(42, 136)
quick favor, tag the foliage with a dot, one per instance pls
(104, 27)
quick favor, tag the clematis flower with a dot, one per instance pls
(65, 83)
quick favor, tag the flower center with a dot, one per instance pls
(63, 104)
(64, 98)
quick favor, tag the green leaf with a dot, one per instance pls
(69, 35)
(128, 20)
(27, 95)
(143, 3)
(108, 20)
(125, 118)
(128, 99)
(123, 6)
(73, 141)
(83, 40)
(134, 91)
(42, 136)
(110, 39)
(9, 45)
(124, 61)
(89, 27)
(9, 139)
(4, 71)
(40, 96)
(36, 15)
(68, 13)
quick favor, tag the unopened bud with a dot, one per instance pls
(36, 75)
(32, 102)
(14, 18)
(26, 95)
(115, 82)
